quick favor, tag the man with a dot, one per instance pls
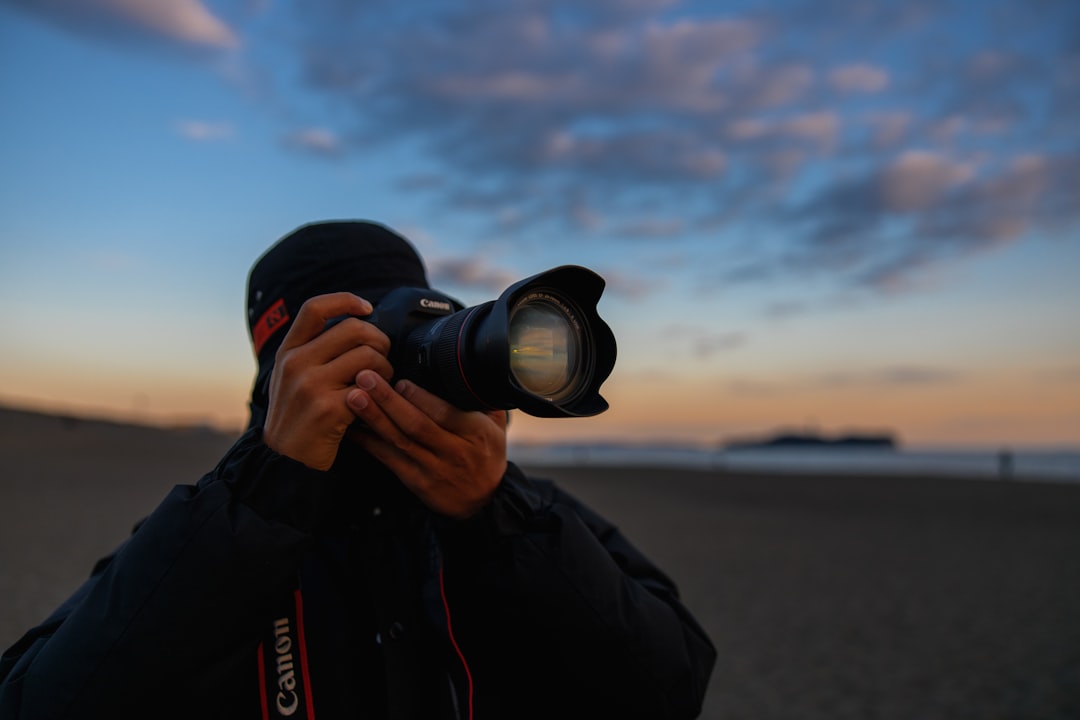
(395, 567)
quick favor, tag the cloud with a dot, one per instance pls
(626, 68)
(201, 131)
(476, 273)
(916, 375)
(422, 181)
(896, 376)
(530, 112)
(876, 140)
(890, 128)
(917, 180)
(778, 86)
(831, 223)
(652, 228)
(316, 141)
(890, 229)
(582, 215)
(1026, 193)
(618, 94)
(186, 22)
(707, 346)
(469, 273)
(631, 286)
(627, 99)
(859, 78)
(820, 128)
(704, 344)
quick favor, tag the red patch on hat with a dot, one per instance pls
(271, 321)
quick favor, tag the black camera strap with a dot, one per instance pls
(284, 680)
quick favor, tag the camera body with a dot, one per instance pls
(413, 318)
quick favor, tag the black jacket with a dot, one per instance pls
(271, 588)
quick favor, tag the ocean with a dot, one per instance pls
(1040, 465)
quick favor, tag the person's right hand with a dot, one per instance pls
(314, 371)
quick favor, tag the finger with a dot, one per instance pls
(500, 418)
(313, 315)
(391, 416)
(344, 368)
(437, 409)
(346, 335)
(445, 414)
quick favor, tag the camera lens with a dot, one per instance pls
(545, 349)
(540, 347)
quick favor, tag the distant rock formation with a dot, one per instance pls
(876, 441)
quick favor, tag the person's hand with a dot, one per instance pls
(313, 373)
(451, 459)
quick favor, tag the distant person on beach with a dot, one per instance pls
(404, 569)
(1005, 464)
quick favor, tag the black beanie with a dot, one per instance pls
(355, 256)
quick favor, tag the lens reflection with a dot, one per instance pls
(544, 349)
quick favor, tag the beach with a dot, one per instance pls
(826, 596)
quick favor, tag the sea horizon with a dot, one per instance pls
(1020, 463)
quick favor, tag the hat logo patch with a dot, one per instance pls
(271, 321)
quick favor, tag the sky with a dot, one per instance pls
(842, 216)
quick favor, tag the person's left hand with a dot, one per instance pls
(451, 459)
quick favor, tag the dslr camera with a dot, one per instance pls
(540, 347)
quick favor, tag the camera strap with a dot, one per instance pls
(284, 680)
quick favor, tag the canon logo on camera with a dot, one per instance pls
(435, 304)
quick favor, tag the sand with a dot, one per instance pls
(827, 597)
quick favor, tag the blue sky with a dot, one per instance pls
(838, 214)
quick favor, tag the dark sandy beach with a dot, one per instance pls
(849, 597)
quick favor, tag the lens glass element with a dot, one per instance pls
(545, 349)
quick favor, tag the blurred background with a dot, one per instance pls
(826, 216)
(852, 225)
